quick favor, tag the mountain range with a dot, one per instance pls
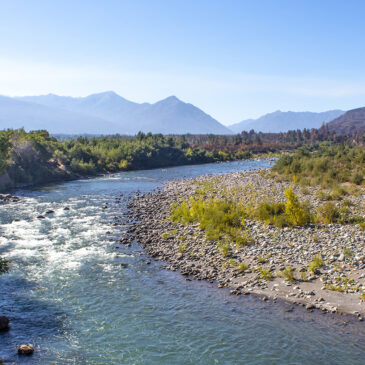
(283, 121)
(105, 113)
(109, 113)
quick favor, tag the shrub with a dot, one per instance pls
(242, 267)
(303, 276)
(288, 274)
(298, 213)
(265, 274)
(358, 178)
(328, 213)
(225, 249)
(220, 219)
(316, 263)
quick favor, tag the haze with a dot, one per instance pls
(235, 59)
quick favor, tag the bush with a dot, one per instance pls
(316, 263)
(242, 267)
(291, 213)
(297, 213)
(265, 274)
(219, 218)
(358, 179)
(328, 213)
(288, 274)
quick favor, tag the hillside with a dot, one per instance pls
(108, 112)
(284, 121)
(352, 122)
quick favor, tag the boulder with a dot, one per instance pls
(25, 350)
(4, 323)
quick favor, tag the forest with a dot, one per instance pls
(36, 157)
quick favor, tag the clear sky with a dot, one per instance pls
(235, 59)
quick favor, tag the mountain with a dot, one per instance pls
(118, 115)
(351, 122)
(16, 113)
(283, 121)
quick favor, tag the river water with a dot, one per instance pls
(80, 298)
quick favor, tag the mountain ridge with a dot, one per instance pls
(167, 116)
(352, 122)
(279, 121)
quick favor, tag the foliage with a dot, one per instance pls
(316, 263)
(288, 274)
(221, 219)
(291, 213)
(242, 267)
(325, 164)
(265, 274)
(328, 213)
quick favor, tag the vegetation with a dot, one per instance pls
(316, 263)
(265, 274)
(324, 164)
(291, 213)
(36, 157)
(288, 274)
(222, 220)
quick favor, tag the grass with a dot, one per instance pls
(288, 274)
(225, 249)
(303, 276)
(328, 213)
(334, 288)
(316, 263)
(348, 253)
(265, 274)
(182, 248)
(242, 267)
(169, 234)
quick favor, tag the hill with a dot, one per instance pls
(352, 122)
(284, 121)
(119, 115)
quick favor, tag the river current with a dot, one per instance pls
(81, 298)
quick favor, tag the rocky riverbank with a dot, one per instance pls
(275, 265)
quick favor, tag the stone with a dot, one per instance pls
(4, 323)
(25, 350)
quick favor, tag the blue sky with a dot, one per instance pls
(235, 59)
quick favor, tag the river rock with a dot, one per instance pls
(4, 323)
(25, 350)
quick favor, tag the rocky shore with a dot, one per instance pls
(259, 267)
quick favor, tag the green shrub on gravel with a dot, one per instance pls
(291, 213)
(221, 220)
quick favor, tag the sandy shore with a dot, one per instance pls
(336, 287)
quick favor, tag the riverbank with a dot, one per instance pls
(261, 267)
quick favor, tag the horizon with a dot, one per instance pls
(171, 96)
(235, 61)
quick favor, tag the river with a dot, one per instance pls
(81, 298)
